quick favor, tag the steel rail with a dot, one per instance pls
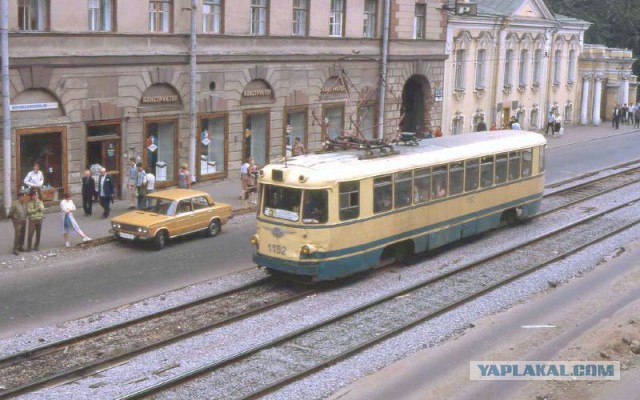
(211, 367)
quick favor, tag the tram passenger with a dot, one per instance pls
(439, 189)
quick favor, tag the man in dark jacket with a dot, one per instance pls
(105, 191)
(18, 214)
(88, 192)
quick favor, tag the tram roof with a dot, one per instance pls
(345, 165)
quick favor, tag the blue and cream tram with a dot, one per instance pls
(327, 216)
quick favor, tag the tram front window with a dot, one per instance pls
(282, 202)
(314, 210)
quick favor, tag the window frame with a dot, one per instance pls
(522, 67)
(380, 185)
(403, 178)
(557, 55)
(419, 21)
(334, 21)
(208, 20)
(420, 174)
(341, 210)
(370, 22)
(459, 71)
(176, 130)
(481, 56)
(508, 61)
(258, 9)
(24, 20)
(209, 116)
(158, 12)
(100, 13)
(537, 62)
(296, 12)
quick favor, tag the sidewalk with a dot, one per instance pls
(227, 191)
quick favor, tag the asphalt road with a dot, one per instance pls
(119, 274)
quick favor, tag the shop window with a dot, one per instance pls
(501, 168)
(402, 189)
(486, 172)
(160, 150)
(212, 146)
(439, 187)
(382, 194)
(421, 185)
(255, 138)
(296, 128)
(349, 200)
(45, 149)
(472, 169)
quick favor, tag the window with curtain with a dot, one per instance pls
(212, 146)
(259, 17)
(336, 18)
(459, 70)
(556, 67)
(256, 138)
(300, 17)
(572, 61)
(100, 15)
(508, 58)
(480, 60)
(369, 29)
(537, 57)
(419, 18)
(33, 15)
(160, 148)
(212, 16)
(160, 15)
(522, 68)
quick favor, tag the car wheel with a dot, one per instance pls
(214, 228)
(161, 240)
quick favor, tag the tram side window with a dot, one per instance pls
(439, 187)
(349, 200)
(486, 172)
(471, 173)
(501, 168)
(543, 158)
(314, 207)
(382, 194)
(514, 165)
(456, 178)
(402, 189)
(527, 162)
(421, 185)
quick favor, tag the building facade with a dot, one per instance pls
(517, 59)
(96, 82)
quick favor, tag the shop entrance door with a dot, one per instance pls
(48, 150)
(103, 148)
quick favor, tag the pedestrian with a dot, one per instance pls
(636, 117)
(494, 127)
(515, 125)
(245, 179)
(68, 221)
(298, 147)
(184, 177)
(551, 118)
(557, 124)
(88, 192)
(151, 186)
(437, 132)
(35, 212)
(141, 185)
(18, 215)
(615, 121)
(623, 113)
(132, 173)
(253, 181)
(105, 192)
(34, 179)
(482, 126)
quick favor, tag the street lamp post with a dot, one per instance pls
(6, 110)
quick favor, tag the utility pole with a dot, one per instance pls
(6, 109)
(192, 91)
(382, 92)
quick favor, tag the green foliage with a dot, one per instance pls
(616, 23)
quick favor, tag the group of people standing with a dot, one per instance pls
(26, 213)
(140, 182)
(554, 122)
(626, 115)
(249, 179)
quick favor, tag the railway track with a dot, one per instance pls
(279, 362)
(80, 356)
(84, 354)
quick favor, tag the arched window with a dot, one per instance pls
(457, 126)
(459, 70)
(533, 119)
(522, 67)
(508, 60)
(537, 59)
(571, 73)
(480, 60)
(556, 67)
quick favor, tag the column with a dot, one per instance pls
(625, 89)
(596, 98)
(584, 106)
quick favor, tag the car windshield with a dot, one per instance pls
(160, 206)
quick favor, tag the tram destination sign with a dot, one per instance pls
(33, 106)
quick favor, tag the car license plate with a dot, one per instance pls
(126, 236)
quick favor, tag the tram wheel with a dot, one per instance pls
(508, 217)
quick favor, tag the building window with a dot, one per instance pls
(537, 56)
(369, 29)
(336, 18)
(33, 15)
(259, 12)
(300, 17)
(507, 68)
(159, 15)
(333, 122)
(256, 137)
(522, 68)
(571, 75)
(459, 70)
(212, 146)
(212, 16)
(556, 67)
(480, 59)
(366, 118)
(457, 125)
(296, 128)
(160, 149)
(100, 15)
(533, 119)
(419, 19)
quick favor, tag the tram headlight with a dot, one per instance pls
(308, 249)
(254, 241)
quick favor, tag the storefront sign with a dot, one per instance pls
(33, 106)
(333, 89)
(160, 99)
(257, 93)
(438, 94)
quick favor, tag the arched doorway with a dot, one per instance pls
(416, 105)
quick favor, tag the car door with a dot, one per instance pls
(202, 212)
(184, 217)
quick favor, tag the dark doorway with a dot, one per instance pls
(103, 148)
(46, 149)
(416, 105)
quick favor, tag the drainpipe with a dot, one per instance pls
(6, 110)
(383, 68)
(192, 92)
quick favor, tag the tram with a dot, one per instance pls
(327, 216)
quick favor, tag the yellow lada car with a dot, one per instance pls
(171, 213)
